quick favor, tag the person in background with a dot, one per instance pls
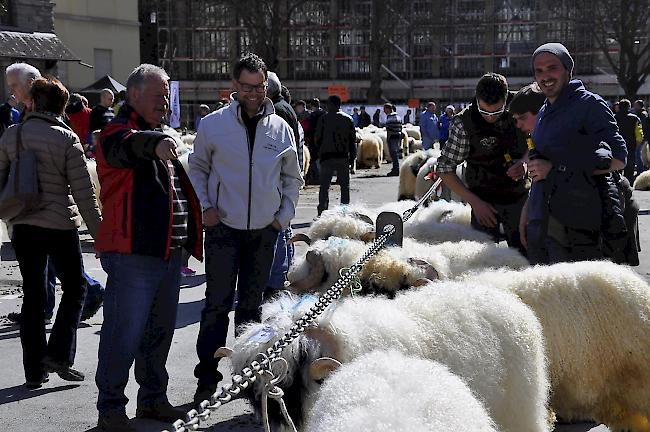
(336, 145)
(394, 133)
(429, 127)
(102, 113)
(629, 126)
(355, 117)
(445, 121)
(407, 116)
(376, 117)
(364, 117)
(78, 114)
(204, 110)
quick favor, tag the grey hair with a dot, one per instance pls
(24, 71)
(107, 91)
(138, 77)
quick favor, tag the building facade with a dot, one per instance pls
(105, 34)
(436, 50)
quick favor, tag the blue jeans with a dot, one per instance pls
(282, 260)
(94, 290)
(394, 150)
(140, 305)
(639, 160)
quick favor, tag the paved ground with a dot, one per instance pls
(63, 406)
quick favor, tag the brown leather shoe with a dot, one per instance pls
(114, 422)
(163, 412)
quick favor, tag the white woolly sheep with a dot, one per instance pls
(408, 172)
(486, 336)
(413, 131)
(369, 151)
(596, 321)
(642, 182)
(387, 391)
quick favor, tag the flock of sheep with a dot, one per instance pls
(452, 332)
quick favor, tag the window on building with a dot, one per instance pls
(103, 62)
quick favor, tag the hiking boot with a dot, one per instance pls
(163, 412)
(62, 370)
(34, 384)
(203, 392)
(114, 422)
(393, 174)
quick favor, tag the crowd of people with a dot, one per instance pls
(558, 196)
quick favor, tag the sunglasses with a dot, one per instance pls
(491, 113)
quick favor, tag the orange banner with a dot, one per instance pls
(340, 91)
(413, 103)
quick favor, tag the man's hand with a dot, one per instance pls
(538, 169)
(485, 213)
(517, 170)
(166, 149)
(275, 224)
(211, 217)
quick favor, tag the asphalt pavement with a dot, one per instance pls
(64, 406)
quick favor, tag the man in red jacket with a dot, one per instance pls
(79, 115)
(151, 213)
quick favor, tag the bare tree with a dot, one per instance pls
(264, 21)
(3, 7)
(622, 24)
(383, 20)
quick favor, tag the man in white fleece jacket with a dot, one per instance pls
(245, 172)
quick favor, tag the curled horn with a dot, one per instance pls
(330, 346)
(368, 237)
(429, 271)
(223, 352)
(444, 215)
(300, 237)
(315, 276)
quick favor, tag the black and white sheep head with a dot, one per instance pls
(308, 363)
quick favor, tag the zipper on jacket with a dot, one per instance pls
(250, 176)
(218, 187)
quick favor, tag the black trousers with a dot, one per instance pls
(327, 169)
(238, 259)
(33, 245)
(508, 215)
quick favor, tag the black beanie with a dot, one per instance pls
(558, 50)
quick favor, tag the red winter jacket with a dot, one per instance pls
(137, 192)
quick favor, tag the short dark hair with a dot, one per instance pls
(300, 102)
(625, 104)
(252, 63)
(49, 95)
(492, 88)
(640, 102)
(529, 99)
(315, 102)
(286, 94)
(334, 101)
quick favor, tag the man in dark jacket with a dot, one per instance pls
(642, 114)
(629, 127)
(364, 117)
(102, 113)
(335, 141)
(485, 136)
(151, 213)
(284, 109)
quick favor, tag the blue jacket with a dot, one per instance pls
(568, 133)
(444, 126)
(429, 126)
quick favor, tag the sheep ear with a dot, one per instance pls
(223, 352)
(322, 367)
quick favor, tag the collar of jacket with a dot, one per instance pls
(48, 117)
(128, 112)
(569, 90)
(266, 109)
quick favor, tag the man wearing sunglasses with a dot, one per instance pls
(246, 174)
(484, 135)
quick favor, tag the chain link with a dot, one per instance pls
(256, 369)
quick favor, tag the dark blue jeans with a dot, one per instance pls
(282, 260)
(94, 290)
(33, 245)
(238, 259)
(327, 169)
(394, 145)
(140, 305)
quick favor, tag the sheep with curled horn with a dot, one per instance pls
(396, 268)
(485, 336)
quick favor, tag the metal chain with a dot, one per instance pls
(257, 368)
